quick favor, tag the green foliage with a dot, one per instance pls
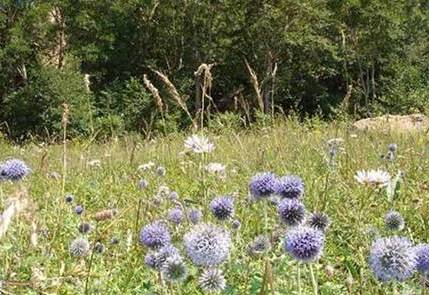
(308, 56)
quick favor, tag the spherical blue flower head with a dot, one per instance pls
(393, 147)
(290, 187)
(207, 244)
(263, 185)
(291, 212)
(79, 209)
(235, 224)
(143, 183)
(260, 245)
(392, 258)
(319, 220)
(162, 254)
(174, 269)
(155, 235)
(13, 170)
(212, 280)
(394, 221)
(305, 244)
(222, 207)
(175, 215)
(422, 252)
(150, 260)
(195, 215)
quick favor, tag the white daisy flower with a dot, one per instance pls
(199, 144)
(377, 177)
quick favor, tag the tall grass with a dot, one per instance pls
(285, 147)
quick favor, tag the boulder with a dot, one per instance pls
(404, 124)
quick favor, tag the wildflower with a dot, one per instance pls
(319, 220)
(222, 207)
(291, 211)
(13, 170)
(143, 184)
(394, 221)
(69, 198)
(195, 215)
(392, 258)
(212, 280)
(235, 224)
(174, 269)
(422, 252)
(84, 228)
(207, 245)
(147, 166)
(175, 215)
(163, 191)
(290, 187)
(263, 185)
(160, 171)
(377, 178)
(78, 209)
(162, 255)
(99, 247)
(173, 196)
(199, 144)
(114, 241)
(79, 247)
(155, 235)
(304, 243)
(393, 147)
(150, 260)
(259, 245)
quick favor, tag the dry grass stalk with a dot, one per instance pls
(175, 94)
(155, 93)
(204, 80)
(256, 87)
(15, 205)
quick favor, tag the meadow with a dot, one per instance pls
(35, 250)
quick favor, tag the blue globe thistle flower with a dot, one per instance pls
(84, 228)
(263, 185)
(69, 198)
(99, 248)
(304, 243)
(174, 269)
(222, 207)
(175, 215)
(394, 221)
(260, 245)
(155, 235)
(290, 187)
(173, 196)
(207, 244)
(162, 254)
(79, 247)
(13, 170)
(143, 184)
(78, 209)
(392, 258)
(393, 147)
(212, 280)
(160, 171)
(195, 215)
(150, 260)
(235, 224)
(291, 212)
(422, 252)
(319, 220)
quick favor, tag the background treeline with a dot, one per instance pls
(163, 65)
